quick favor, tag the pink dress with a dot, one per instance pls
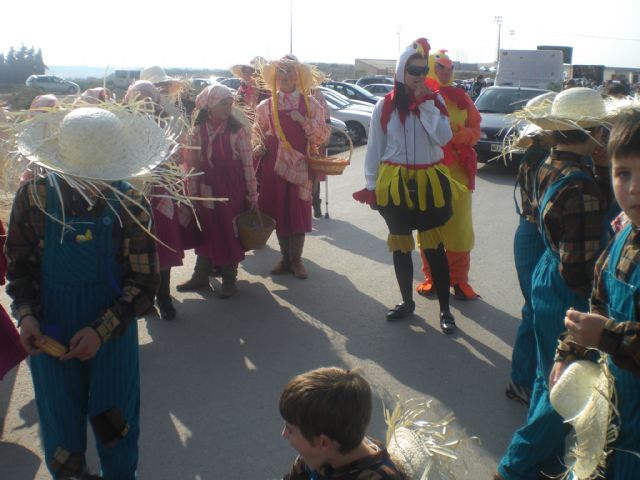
(166, 220)
(280, 198)
(225, 175)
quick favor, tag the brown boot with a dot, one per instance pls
(283, 265)
(200, 277)
(229, 275)
(295, 256)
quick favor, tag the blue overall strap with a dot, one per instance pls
(532, 150)
(551, 192)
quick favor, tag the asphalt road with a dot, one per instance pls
(211, 379)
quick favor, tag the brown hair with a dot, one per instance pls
(330, 401)
(624, 139)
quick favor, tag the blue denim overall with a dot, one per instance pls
(539, 445)
(622, 305)
(79, 280)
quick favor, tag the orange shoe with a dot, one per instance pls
(463, 291)
(426, 288)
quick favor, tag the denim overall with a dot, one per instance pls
(80, 279)
(540, 444)
(528, 247)
(623, 299)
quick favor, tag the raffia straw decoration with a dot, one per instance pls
(424, 449)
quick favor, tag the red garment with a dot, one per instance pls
(388, 107)
(224, 174)
(279, 198)
(167, 230)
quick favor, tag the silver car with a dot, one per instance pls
(52, 84)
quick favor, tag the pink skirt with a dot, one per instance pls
(169, 231)
(280, 200)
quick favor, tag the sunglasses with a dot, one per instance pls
(416, 71)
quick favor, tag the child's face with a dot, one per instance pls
(626, 185)
(312, 452)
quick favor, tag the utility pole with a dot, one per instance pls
(498, 20)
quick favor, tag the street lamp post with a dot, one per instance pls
(498, 20)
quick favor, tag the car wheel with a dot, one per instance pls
(356, 132)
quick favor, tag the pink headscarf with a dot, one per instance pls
(211, 96)
(140, 90)
(96, 95)
(44, 101)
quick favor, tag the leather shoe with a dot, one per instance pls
(401, 310)
(447, 323)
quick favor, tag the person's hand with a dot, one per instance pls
(556, 372)
(585, 328)
(297, 116)
(422, 91)
(29, 333)
(253, 205)
(83, 345)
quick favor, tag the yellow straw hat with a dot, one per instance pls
(308, 76)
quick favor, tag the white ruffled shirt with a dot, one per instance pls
(417, 142)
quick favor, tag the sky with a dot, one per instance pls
(218, 33)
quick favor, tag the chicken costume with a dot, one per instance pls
(461, 159)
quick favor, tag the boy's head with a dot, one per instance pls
(624, 151)
(327, 405)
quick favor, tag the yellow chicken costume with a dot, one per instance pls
(461, 159)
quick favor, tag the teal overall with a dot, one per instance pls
(79, 281)
(539, 445)
(528, 247)
(623, 298)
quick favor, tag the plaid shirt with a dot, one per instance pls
(374, 467)
(136, 253)
(526, 181)
(621, 340)
(573, 218)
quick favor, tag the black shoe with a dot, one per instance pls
(447, 323)
(167, 310)
(317, 211)
(401, 310)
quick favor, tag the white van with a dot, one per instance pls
(124, 78)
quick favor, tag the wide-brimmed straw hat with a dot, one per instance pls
(308, 76)
(95, 143)
(573, 109)
(254, 64)
(582, 397)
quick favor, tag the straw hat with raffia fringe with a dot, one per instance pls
(95, 143)
(582, 397)
(308, 76)
(574, 109)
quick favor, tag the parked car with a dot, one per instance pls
(352, 92)
(199, 84)
(52, 84)
(356, 120)
(379, 89)
(343, 101)
(124, 78)
(350, 80)
(233, 83)
(338, 141)
(494, 105)
(364, 81)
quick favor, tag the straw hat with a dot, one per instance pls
(582, 397)
(255, 63)
(573, 109)
(95, 143)
(156, 74)
(309, 76)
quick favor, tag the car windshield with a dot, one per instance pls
(504, 100)
(361, 90)
(336, 98)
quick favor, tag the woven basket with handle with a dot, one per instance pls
(331, 165)
(254, 229)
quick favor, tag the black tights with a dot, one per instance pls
(437, 258)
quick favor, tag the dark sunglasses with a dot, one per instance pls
(416, 71)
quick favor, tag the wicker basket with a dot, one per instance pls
(333, 165)
(254, 229)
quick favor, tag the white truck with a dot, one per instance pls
(531, 69)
